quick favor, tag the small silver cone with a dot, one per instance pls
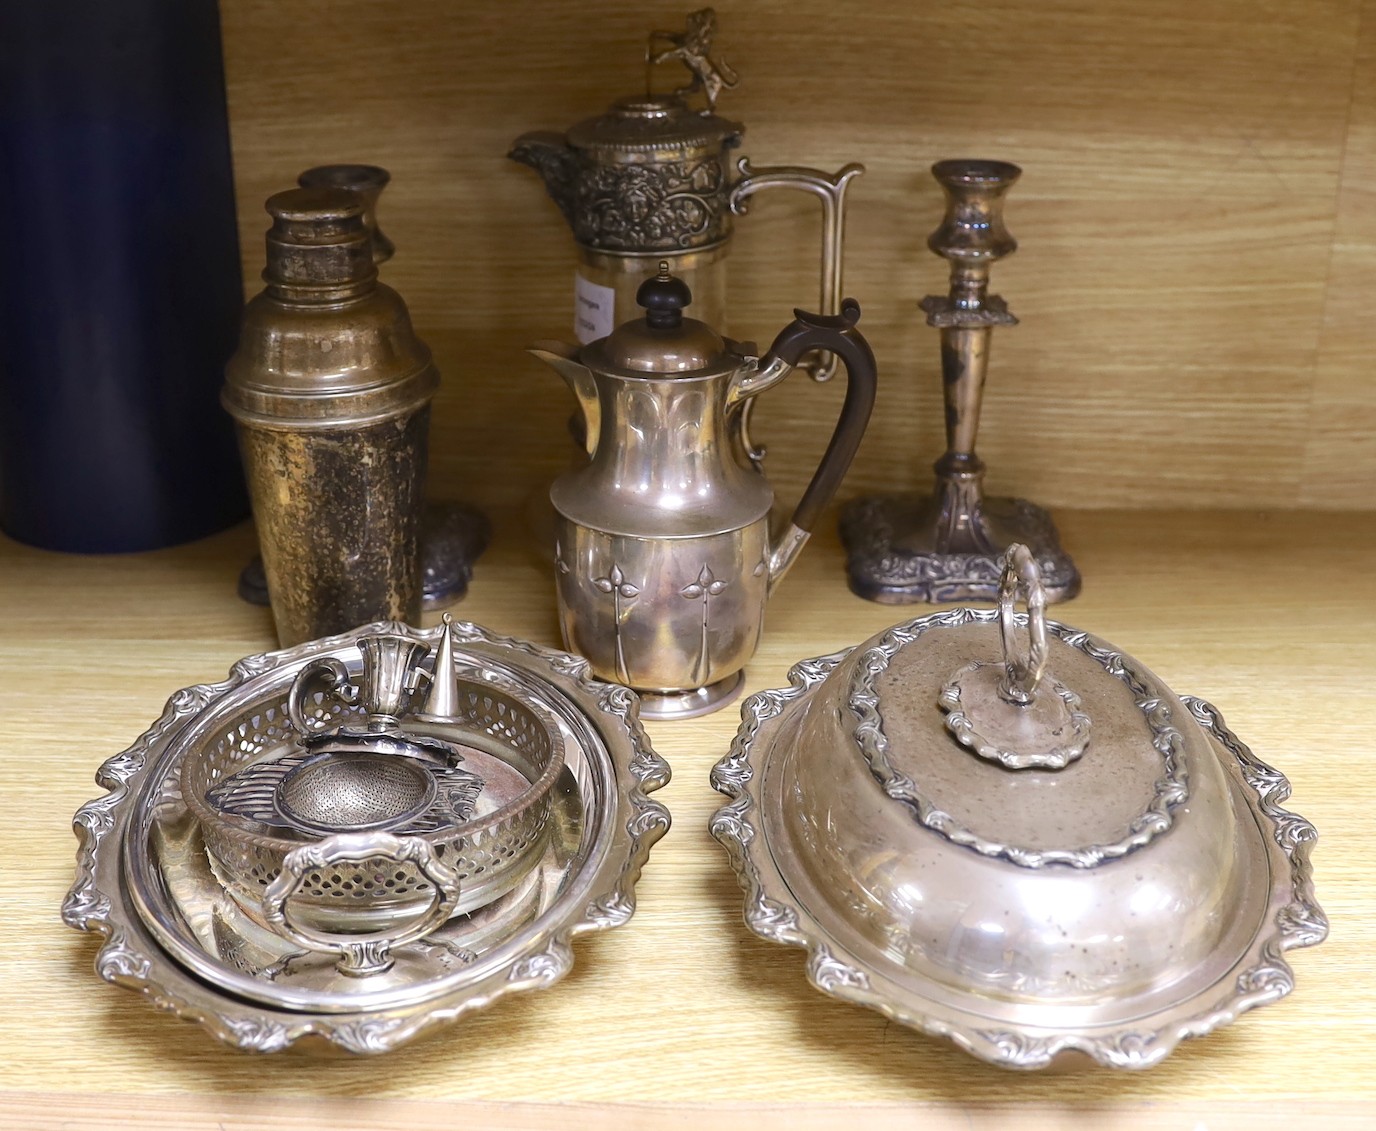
(442, 700)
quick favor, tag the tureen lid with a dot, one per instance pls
(1028, 847)
(999, 746)
(663, 342)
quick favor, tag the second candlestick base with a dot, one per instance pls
(892, 556)
(452, 537)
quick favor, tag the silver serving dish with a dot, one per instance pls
(252, 962)
(1040, 853)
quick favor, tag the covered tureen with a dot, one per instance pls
(1032, 849)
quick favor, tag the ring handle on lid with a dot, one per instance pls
(1022, 673)
(993, 706)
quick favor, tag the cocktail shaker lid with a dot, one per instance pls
(318, 240)
(325, 345)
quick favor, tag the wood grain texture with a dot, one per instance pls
(36, 1111)
(1194, 280)
(1270, 616)
(1343, 407)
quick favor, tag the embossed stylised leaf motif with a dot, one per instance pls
(771, 919)
(729, 824)
(650, 818)
(371, 1035)
(831, 974)
(706, 585)
(703, 589)
(118, 960)
(257, 1034)
(611, 910)
(547, 967)
(615, 582)
(85, 905)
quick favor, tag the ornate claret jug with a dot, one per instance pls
(664, 555)
(652, 179)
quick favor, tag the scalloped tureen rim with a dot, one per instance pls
(774, 912)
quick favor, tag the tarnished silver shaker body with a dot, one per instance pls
(330, 389)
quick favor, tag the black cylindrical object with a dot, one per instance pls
(121, 297)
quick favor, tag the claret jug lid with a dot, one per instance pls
(665, 127)
(660, 123)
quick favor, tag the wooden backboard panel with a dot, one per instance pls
(1197, 263)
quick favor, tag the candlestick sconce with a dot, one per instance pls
(904, 549)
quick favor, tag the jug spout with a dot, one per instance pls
(550, 154)
(563, 359)
(786, 549)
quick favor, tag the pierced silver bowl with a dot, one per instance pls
(281, 765)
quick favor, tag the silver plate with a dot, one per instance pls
(784, 905)
(172, 933)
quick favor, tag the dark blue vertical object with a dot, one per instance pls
(120, 289)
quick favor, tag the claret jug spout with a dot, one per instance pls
(664, 556)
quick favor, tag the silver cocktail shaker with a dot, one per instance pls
(331, 389)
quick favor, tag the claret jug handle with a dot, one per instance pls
(805, 334)
(830, 189)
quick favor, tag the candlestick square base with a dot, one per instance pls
(892, 559)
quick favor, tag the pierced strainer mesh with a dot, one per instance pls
(356, 791)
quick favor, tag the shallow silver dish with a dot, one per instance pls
(174, 933)
(1100, 896)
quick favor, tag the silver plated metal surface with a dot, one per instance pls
(665, 559)
(949, 546)
(1144, 893)
(171, 931)
(653, 178)
(492, 768)
(361, 955)
(994, 707)
(452, 535)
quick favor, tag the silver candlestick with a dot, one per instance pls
(949, 546)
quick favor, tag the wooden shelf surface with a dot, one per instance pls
(1271, 616)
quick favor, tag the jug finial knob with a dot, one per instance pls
(664, 298)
